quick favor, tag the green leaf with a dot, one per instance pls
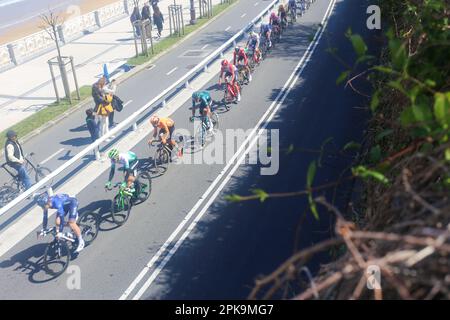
(397, 85)
(290, 149)
(344, 75)
(322, 150)
(375, 101)
(352, 145)
(233, 198)
(375, 154)
(365, 173)
(398, 53)
(407, 117)
(261, 194)
(311, 174)
(384, 69)
(430, 83)
(383, 134)
(422, 113)
(313, 207)
(442, 109)
(358, 44)
(447, 154)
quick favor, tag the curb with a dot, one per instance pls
(119, 80)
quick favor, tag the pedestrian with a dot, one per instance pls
(111, 89)
(15, 158)
(154, 4)
(103, 112)
(136, 16)
(158, 18)
(97, 93)
(92, 124)
(146, 13)
(94, 129)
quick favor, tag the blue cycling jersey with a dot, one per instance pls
(265, 28)
(64, 204)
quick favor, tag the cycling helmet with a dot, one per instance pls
(42, 199)
(237, 49)
(273, 15)
(196, 95)
(281, 7)
(224, 63)
(11, 134)
(154, 120)
(113, 154)
(252, 34)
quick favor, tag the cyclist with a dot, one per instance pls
(167, 128)
(292, 7)
(240, 60)
(253, 44)
(265, 33)
(275, 22)
(204, 101)
(229, 70)
(65, 206)
(129, 162)
(282, 13)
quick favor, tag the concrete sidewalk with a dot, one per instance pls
(28, 88)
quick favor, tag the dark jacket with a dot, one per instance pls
(97, 95)
(93, 128)
(146, 13)
(159, 20)
(17, 150)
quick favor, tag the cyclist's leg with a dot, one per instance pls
(72, 220)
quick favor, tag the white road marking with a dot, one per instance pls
(127, 103)
(52, 156)
(205, 46)
(171, 71)
(256, 4)
(243, 15)
(271, 112)
(228, 28)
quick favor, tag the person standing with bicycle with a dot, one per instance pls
(65, 206)
(15, 157)
(203, 100)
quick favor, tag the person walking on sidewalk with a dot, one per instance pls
(15, 158)
(97, 93)
(158, 18)
(136, 16)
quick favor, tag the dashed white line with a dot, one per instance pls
(228, 28)
(204, 47)
(243, 15)
(52, 156)
(256, 4)
(127, 103)
(171, 71)
(279, 100)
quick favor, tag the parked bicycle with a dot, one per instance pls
(60, 251)
(10, 190)
(123, 201)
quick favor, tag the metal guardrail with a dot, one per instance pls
(132, 120)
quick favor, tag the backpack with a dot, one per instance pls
(117, 103)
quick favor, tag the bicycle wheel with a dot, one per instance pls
(56, 257)
(41, 172)
(143, 187)
(89, 224)
(7, 194)
(120, 209)
(200, 135)
(161, 160)
(226, 98)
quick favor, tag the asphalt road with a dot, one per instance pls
(231, 244)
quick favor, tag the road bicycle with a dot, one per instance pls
(59, 251)
(124, 201)
(165, 153)
(228, 96)
(202, 132)
(10, 190)
(292, 15)
(253, 61)
(265, 49)
(276, 34)
(243, 76)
